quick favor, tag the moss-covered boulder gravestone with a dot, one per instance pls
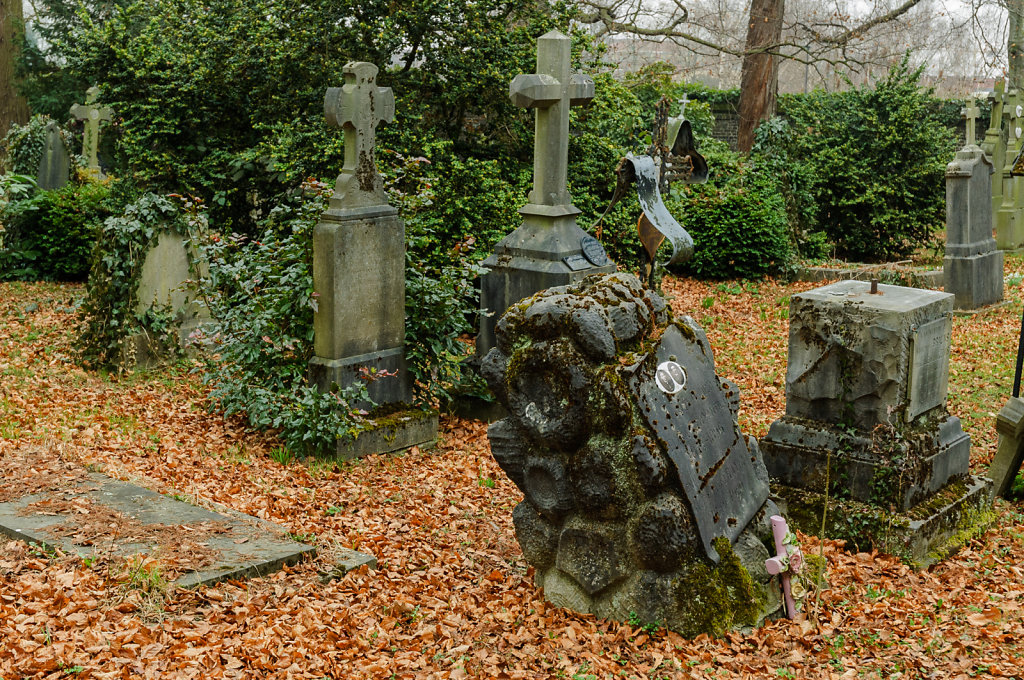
(866, 432)
(644, 500)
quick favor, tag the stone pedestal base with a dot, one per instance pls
(901, 474)
(397, 389)
(926, 533)
(1009, 229)
(1006, 464)
(393, 432)
(546, 251)
(975, 281)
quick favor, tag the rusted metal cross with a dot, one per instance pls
(358, 107)
(551, 91)
(92, 115)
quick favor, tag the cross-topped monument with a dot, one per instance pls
(551, 91)
(970, 113)
(92, 114)
(548, 249)
(358, 107)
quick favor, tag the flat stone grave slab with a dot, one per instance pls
(59, 504)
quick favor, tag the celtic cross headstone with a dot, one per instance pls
(91, 113)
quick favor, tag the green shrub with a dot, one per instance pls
(110, 316)
(49, 235)
(260, 296)
(875, 157)
(24, 145)
(738, 227)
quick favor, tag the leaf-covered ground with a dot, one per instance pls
(452, 596)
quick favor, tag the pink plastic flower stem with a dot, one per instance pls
(780, 563)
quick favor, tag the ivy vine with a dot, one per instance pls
(110, 316)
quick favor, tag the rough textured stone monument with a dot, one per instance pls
(1010, 215)
(1010, 454)
(866, 427)
(973, 266)
(55, 165)
(548, 249)
(91, 114)
(643, 497)
(359, 264)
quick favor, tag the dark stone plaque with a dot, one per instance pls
(576, 263)
(593, 251)
(696, 427)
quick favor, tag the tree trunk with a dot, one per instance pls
(13, 108)
(759, 78)
(1015, 44)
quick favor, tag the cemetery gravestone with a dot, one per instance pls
(359, 266)
(994, 144)
(866, 431)
(1009, 218)
(91, 114)
(643, 497)
(973, 266)
(548, 249)
(55, 165)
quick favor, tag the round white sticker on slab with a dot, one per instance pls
(670, 377)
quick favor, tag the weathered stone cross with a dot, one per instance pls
(551, 91)
(358, 107)
(971, 113)
(92, 115)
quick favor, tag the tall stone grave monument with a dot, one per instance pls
(994, 144)
(1010, 216)
(359, 259)
(548, 249)
(642, 496)
(866, 433)
(91, 114)
(973, 266)
(55, 164)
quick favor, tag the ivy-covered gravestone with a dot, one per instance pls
(866, 438)
(644, 500)
(139, 309)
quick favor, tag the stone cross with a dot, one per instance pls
(92, 114)
(358, 107)
(971, 113)
(551, 91)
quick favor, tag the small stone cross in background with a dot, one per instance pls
(358, 107)
(92, 115)
(971, 113)
(551, 91)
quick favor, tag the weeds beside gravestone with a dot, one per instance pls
(644, 500)
(867, 450)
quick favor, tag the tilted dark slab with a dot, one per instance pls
(697, 428)
(250, 548)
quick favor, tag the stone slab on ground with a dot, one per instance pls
(401, 431)
(94, 515)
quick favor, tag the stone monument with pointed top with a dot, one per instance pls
(91, 113)
(994, 143)
(549, 248)
(55, 164)
(1009, 219)
(973, 265)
